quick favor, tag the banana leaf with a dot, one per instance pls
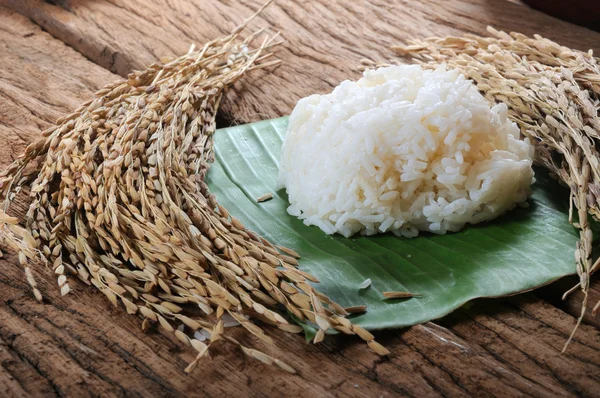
(522, 250)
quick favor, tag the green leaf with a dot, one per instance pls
(309, 330)
(520, 251)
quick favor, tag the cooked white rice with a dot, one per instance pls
(403, 150)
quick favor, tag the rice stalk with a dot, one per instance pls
(119, 201)
(552, 93)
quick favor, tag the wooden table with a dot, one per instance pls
(55, 53)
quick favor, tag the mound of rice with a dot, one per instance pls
(403, 150)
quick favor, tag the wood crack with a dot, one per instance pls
(447, 372)
(24, 358)
(531, 358)
(6, 368)
(372, 374)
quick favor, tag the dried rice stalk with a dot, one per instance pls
(120, 201)
(552, 93)
(397, 295)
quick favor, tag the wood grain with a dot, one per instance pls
(324, 39)
(554, 292)
(82, 346)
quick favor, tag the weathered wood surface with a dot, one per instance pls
(324, 39)
(82, 346)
